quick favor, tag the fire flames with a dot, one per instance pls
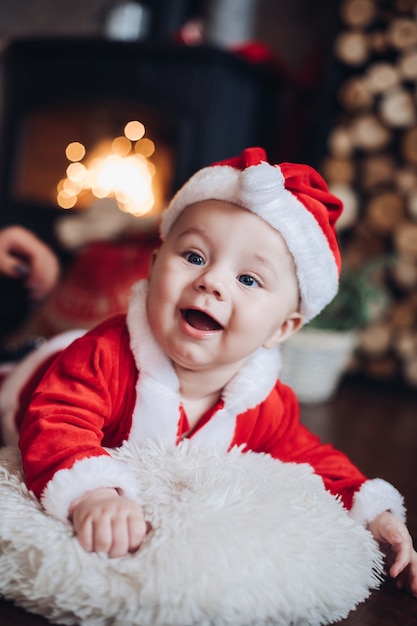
(118, 168)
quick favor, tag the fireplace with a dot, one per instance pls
(73, 106)
(93, 123)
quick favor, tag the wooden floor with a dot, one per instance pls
(376, 425)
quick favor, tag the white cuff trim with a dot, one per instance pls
(85, 475)
(374, 497)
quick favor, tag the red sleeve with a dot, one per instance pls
(83, 402)
(275, 428)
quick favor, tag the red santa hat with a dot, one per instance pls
(292, 198)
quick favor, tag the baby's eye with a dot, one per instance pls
(247, 280)
(194, 258)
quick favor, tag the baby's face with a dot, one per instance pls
(222, 285)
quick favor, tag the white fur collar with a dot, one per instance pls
(156, 412)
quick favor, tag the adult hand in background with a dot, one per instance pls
(23, 256)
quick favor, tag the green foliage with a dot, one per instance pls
(362, 298)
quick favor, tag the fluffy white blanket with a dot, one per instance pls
(237, 539)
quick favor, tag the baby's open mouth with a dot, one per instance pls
(200, 320)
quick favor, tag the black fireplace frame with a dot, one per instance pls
(223, 102)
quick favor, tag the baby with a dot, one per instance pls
(248, 255)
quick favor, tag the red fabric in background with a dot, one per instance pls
(98, 284)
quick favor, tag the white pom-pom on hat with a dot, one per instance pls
(293, 198)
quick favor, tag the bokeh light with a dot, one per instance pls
(117, 170)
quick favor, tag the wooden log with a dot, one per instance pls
(354, 95)
(405, 240)
(384, 210)
(350, 201)
(382, 368)
(402, 315)
(404, 343)
(381, 77)
(413, 301)
(411, 203)
(402, 33)
(364, 245)
(353, 255)
(409, 145)
(410, 371)
(352, 48)
(338, 170)
(407, 65)
(376, 171)
(404, 274)
(377, 42)
(369, 134)
(375, 340)
(397, 108)
(405, 179)
(339, 142)
(405, 6)
(357, 13)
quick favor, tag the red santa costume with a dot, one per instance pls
(114, 383)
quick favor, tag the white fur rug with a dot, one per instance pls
(237, 540)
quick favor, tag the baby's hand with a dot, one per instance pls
(388, 529)
(105, 521)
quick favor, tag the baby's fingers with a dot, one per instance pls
(84, 533)
(123, 534)
(400, 563)
(94, 533)
(402, 551)
(119, 544)
(137, 528)
(408, 578)
(413, 581)
(102, 534)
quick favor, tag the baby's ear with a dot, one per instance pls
(152, 261)
(290, 326)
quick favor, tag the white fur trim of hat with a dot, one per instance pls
(293, 198)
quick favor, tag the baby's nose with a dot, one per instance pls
(211, 283)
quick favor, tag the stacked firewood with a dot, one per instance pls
(371, 163)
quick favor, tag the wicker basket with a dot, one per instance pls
(314, 362)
